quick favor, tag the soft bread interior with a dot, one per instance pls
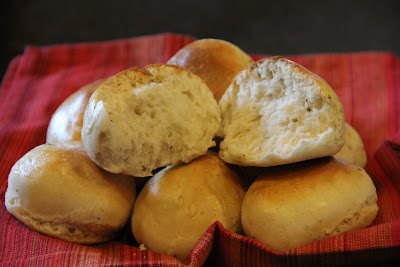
(140, 120)
(276, 112)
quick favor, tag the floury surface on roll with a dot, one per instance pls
(179, 203)
(58, 191)
(296, 204)
(143, 119)
(215, 61)
(66, 123)
(277, 112)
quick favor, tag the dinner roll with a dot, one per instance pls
(143, 119)
(353, 149)
(292, 205)
(277, 112)
(179, 203)
(215, 61)
(58, 191)
(66, 122)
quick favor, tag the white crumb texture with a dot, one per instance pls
(275, 114)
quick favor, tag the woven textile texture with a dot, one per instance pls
(39, 80)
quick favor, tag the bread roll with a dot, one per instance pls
(179, 203)
(140, 120)
(277, 112)
(353, 149)
(292, 205)
(58, 191)
(66, 122)
(215, 61)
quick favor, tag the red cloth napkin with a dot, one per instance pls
(36, 83)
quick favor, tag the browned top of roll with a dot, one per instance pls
(291, 205)
(66, 122)
(215, 61)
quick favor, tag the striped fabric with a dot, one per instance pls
(37, 82)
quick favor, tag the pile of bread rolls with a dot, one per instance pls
(262, 147)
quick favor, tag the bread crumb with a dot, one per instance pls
(142, 247)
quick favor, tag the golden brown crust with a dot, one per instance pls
(66, 122)
(353, 149)
(57, 190)
(65, 229)
(291, 181)
(215, 61)
(292, 205)
(179, 203)
(136, 77)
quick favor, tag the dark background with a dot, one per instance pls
(265, 27)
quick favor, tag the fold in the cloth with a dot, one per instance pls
(40, 79)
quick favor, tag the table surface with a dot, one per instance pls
(261, 27)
